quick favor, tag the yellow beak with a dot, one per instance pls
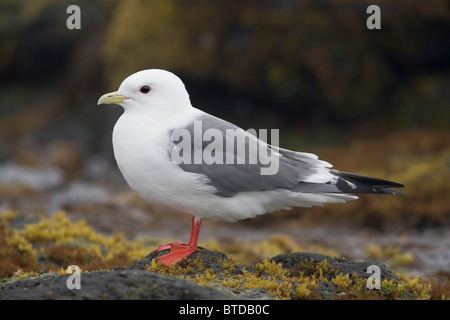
(112, 97)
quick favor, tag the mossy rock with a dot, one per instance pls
(212, 275)
(297, 260)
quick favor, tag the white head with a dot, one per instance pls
(149, 89)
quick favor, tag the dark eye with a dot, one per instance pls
(145, 89)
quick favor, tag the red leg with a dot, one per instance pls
(195, 231)
(179, 250)
(192, 229)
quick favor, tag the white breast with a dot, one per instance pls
(141, 148)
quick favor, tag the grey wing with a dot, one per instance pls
(244, 173)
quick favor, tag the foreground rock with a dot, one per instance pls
(211, 275)
(127, 284)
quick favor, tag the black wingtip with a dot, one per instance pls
(359, 184)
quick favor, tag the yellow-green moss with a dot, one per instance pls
(182, 268)
(302, 291)
(391, 253)
(419, 289)
(61, 242)
(8, 215)
(249, 280)
(342, 282)
(271, 269)
(59, 229)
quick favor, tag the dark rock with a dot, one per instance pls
(125, 284)
(327, 290)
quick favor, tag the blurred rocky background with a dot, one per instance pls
(374, 102)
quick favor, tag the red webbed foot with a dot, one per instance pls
(181, 250)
